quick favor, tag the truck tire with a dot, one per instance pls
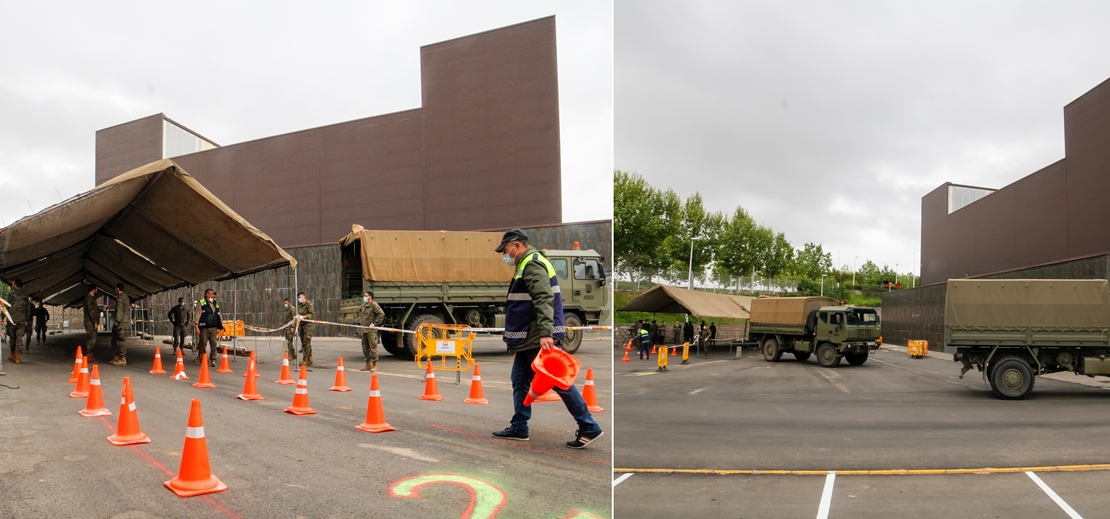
(411, 342)
(574, 337)
(801, 356)
(1012, 379)
(771, 351)
(856, 359)
(389, 343)
(827, 356)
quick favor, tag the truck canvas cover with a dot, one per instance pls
(429, 256)
(786, 310)
(1027, 303)
(152, 228)
(663, 298)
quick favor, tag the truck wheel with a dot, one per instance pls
(574, 337)
(1011, 379)
(802, 356)
(827, 356)
(856, 359)
(771, 351)
(411, 342)
(389, 343)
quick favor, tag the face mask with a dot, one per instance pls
(365, 299)
(287, 305)
(507, 259)
(211, 300)
(300, 300)
(181, 303)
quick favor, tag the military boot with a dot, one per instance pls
(374, 366)
(367, 367)
(11, 358)
(304, 361)
(309, 360)
(114, 361)
(18, 358)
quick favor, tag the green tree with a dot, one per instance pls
(868, 274)
(813, 261)
(642, 218)
(736, 253)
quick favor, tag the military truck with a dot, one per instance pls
(807, 325)
(453, 277)
(1015, 329)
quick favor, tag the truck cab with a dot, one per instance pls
(849, 332)
(584, 287)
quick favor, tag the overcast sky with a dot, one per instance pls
(830, 123)
(237, 71)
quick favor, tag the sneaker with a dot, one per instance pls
(582, 440)
(511, 434)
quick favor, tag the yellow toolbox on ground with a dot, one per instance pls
(918, 349)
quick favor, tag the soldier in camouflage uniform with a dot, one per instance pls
(370, 315)
(20, 311)
(305, 310)
(178, 318)
(42, 316)
(289, 333)
(121, 327)
(92, 322)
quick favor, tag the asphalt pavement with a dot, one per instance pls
(892, 413)
(56, 463)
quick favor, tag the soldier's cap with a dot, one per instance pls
(511, 235)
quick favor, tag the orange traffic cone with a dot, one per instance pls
(589, 393)
(224, 368)
(179, 368)
(340, 378)
(254, 364)
(82, 389)
(626, 359)
(195, 477)
(628, 347)
(476, 394)
(286, 378)
(375, 414)
(205, 381)
(554, 368)
(431, 390)
(653, 350)
(550, 396)
(157, 369)
(94, 406)
(76, 367)
(250, 386)
(127, 429)
(300, 396)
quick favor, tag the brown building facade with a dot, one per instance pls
(1059, 213)
(482, 152)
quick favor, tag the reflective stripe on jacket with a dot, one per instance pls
(524, 320)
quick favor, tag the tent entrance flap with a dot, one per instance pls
(153, 228)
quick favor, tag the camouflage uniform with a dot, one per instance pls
(305, 310)
(289, 333)
(21, 313)
(704, 340)
(677, 333)
(178, 318)
(121, 327)
(370, 315)
(92, 323)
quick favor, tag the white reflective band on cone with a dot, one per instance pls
(431, 375)
(157, 355)
(376, 394)
(84, 370)
(302, 382)
(340, 368)
(179, 376)
(301, 391)
(122, 401)
(131, 407)
(284, 362)
(477, 377)
(95, 382)
(194, 432)
(589, 382)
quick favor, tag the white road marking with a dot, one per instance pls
(408, 453)
(1059, 502)
(826, 496)
(833, 382)
(622, 478)
(696, 391)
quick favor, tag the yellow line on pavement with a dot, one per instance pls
(882, 472)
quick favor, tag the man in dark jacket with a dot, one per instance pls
(122, 327)
(177, 318)
(532, 323)
(92, 323)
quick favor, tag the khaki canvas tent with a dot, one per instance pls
(153, 228)
(666, 299)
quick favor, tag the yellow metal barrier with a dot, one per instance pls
(686, 353)
(444, 341)
(233, 329)
(918, 349)
(662, 359)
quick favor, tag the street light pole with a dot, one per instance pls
(691, 273)
(854, 270)
(823, 284)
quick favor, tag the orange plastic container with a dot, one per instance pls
(918, 349)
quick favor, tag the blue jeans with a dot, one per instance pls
(645, 350)
(522, 380)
